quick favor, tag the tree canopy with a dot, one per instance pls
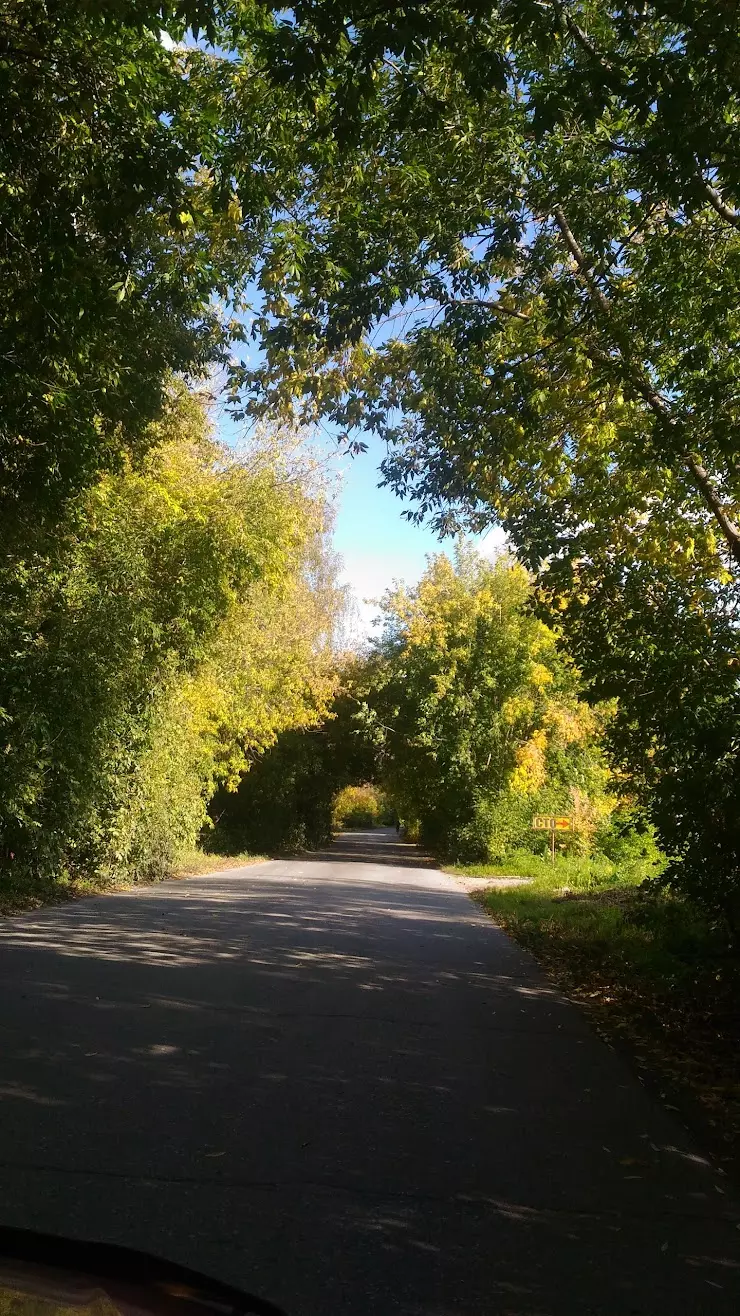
(475, 715)
(516, 259)
(504, 236)
(515, 245)
(137, 170)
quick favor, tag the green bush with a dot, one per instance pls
(630, 842)
(150, 643)
(497, 827)
(283, 804)
(572, 872)
(358, 807)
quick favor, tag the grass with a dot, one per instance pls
(18, 894)
(568, 870)
(201, 861)
(652, 970)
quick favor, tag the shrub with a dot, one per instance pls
(358, 807)
(165, 632)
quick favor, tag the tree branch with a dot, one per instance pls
(497, 307)
(438, 307)
(718, 203)
(704, 484)
(715, 198)
(624, 148)
(584, 268)
(658, 404)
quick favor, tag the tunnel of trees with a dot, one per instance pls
(503, 237)
(469, 719)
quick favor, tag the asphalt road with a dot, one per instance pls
(333, 1081)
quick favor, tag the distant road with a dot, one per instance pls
(333, 1081)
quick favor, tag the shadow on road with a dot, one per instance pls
(382, 845)
(342, 1087)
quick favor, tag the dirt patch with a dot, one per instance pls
(490, 883)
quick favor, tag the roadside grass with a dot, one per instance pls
(653, 971)
(568, 870)
(19, 893)
(197, 862)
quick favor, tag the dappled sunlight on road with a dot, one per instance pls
(20, 1092)
(275, 944)
(351, 1058)
(381, 846)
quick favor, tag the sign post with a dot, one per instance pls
(552, 823)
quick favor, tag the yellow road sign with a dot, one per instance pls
(550, 822)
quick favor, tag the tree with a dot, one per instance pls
(519, 263)
(138, 164)
(510, 196)
(154, 644)
(665, 642)
(359, 807)
(503, 236)
(478, 715)
(284, 802)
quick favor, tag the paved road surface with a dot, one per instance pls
(334, 1081)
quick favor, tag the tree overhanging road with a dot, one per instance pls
(334, 1082)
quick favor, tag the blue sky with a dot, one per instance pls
(375, 541)
(378, 545)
